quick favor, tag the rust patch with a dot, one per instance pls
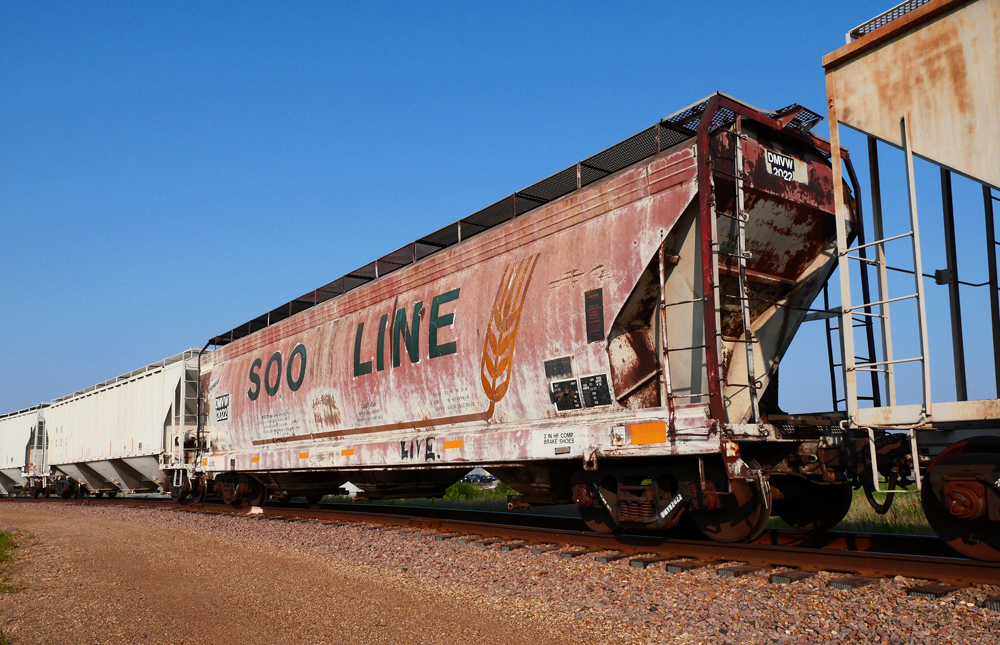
(325, 410)
(634, 369)
(939, 62)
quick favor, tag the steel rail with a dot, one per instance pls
(876, 555)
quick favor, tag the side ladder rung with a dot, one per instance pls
(681, 349)
(882, 241)
(684, 302)
(877, 303)
(735, 216)
(893, 362)
(744, 256)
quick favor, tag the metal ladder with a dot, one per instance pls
(664, 350)
(666, 387)
(865, 321)
(848, 310)
(832, 329)
(184, 415)
(36, 465)
(742, 256)
(741, 217)
(744, 296)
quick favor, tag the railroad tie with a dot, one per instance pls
(576, 553)
(851, 582)
(931, 592)
(642, 563)
(738, 571)
(684, 565)
(790, 576)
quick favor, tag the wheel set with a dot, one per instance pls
(961, 497)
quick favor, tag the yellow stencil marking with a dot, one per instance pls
(255, 460)
(454, 443)
(303, 455)
(643, 433)
(204, 461)
(347, 452)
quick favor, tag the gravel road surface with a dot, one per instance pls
(89, 574)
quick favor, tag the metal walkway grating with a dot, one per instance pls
(884, 19)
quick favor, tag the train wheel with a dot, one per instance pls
(37, 491)
(232, 495)
(740, 516)
(313, 500)
(823, 507)
(258, 494)
(200, 492)
(112, 493)
(955, 495)
(180, 493)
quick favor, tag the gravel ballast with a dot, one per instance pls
(101, 574)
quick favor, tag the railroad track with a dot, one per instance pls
(866, 556)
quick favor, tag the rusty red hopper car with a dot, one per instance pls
(610, 336)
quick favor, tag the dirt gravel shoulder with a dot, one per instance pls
(87, 575)
(102, 574)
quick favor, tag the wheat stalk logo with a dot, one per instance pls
(501, 333)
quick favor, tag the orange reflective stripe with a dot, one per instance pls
(643, 433)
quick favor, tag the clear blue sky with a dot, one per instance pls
(171, 170)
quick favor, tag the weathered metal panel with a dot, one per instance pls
(491, 313)
(939, 65)
(16, 430)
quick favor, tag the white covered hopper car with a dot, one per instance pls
(22, 436)
(119, 435)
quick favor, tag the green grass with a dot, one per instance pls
(7, 546)
(905, 516)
